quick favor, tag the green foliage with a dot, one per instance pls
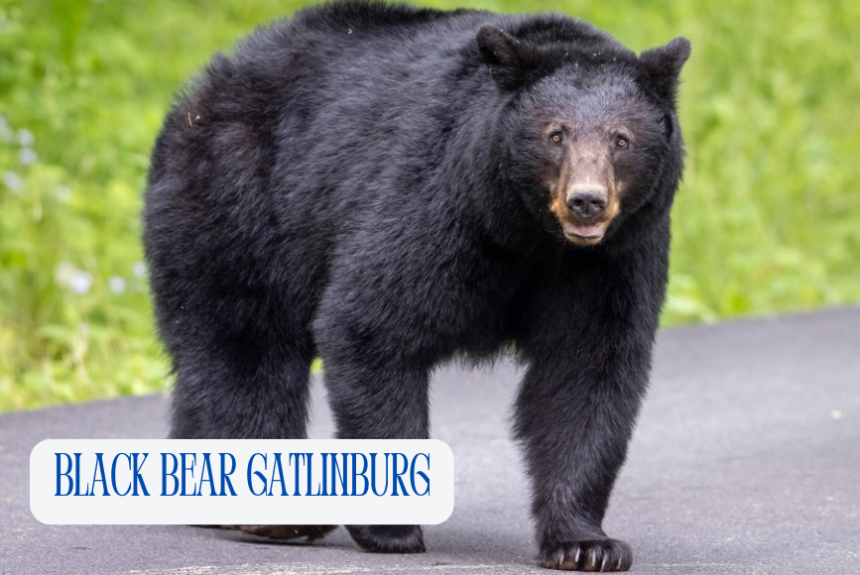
(768, 219)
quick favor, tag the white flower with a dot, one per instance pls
(27, 156)
(14, 182)
(139, 269)
(64, 272)
(116, 284)
(64, 193)
(6, 133)
(26, 137)
(68, 276)
(81, 282)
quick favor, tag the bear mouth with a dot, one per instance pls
(585, 234)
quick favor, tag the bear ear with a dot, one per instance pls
(662, 66)
(508, 59)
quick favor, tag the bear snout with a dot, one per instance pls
(587, 203)
(584, 212)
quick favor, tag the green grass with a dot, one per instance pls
(768, 219)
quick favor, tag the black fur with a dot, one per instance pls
(367, 183)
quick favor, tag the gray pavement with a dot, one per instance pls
(746, 460)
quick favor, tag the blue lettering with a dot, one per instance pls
(187, 468)
(420, 474)
(296, 468)
(397, 476)
(310, 473)
(165, 474)
(356, 474)
(113, 473)
(225, 475)
(207, 467)
(257, 473)
(78, 477)
(337, 476)
(137, 477)
(373, 474)
(100, 467)
(277, 468)
(68, 474)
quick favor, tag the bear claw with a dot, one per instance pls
(602, 555)
(284, 532)
(388, 538)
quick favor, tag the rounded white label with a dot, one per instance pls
(242, 482)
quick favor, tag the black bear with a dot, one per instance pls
(386, 187)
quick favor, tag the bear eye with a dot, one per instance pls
(556, 137)
(621, 141)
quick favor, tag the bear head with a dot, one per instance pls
(587, 131)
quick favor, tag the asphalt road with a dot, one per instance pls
(746, 460)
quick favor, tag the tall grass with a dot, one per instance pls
(768, 219)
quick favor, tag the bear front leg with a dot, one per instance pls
(575, 419)
(588, 349)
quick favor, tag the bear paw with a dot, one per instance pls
(312, 532)
(589, 555)
(388, 538)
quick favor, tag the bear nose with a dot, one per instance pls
(587, 203)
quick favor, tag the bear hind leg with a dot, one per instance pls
(263, 395)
